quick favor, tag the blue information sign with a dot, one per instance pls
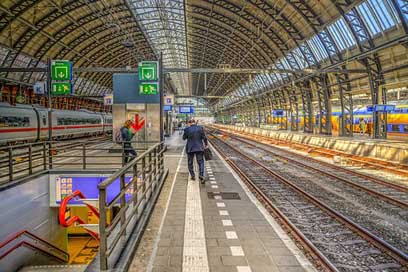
(384, 108)
(186, 109)
(278, 112)
(167, 107)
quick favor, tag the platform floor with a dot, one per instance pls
(202, 229)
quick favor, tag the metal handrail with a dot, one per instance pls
(51, 253)
(149, 167)
(75, 219)
(22, 161)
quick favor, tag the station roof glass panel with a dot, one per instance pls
(163, 22)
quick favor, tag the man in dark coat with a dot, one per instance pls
(196, 140)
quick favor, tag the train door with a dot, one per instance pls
(43, 125)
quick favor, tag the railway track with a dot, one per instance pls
(387, 191)
(387, 166)
(385, 219)
(333, 241)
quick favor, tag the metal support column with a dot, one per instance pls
(270, 106)
(376, 79)
(284, 106)
(346, 105)
(258, 113)
(293, 109)
(324, 104)
(262, 99)
(307, 106)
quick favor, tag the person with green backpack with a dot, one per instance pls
(126, 136)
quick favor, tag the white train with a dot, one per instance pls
(30, 123)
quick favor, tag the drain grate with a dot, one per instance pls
(224, 195)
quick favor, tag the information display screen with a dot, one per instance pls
(167, 107)
(63, 185)
(186, 109)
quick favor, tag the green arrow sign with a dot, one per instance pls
(61, 88)
(148, 71)
(61, 70)
(148, 88)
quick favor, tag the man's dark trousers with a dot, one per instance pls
(200, 161)
(128, 149)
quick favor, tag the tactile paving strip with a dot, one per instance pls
(194, 250)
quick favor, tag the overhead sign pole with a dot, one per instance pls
(150, 75)
(49, 98)
(161, 79)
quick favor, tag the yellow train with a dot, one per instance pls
(397, 120)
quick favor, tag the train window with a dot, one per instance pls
(395, 128)
(44, 120)
(77, 121)
(405, 127)
(14, 121)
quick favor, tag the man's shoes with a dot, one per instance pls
(192, 178)
(202, 180)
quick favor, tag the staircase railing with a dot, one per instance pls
(132, 200)
(75, 219)
(39, 245)
(25, 160)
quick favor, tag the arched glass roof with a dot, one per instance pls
(196, 34)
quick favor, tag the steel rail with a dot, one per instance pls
(372, 178)
(395, 253)
(299, 237)
(384, 197)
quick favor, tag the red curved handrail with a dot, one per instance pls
(24, 243)
(63, 208)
